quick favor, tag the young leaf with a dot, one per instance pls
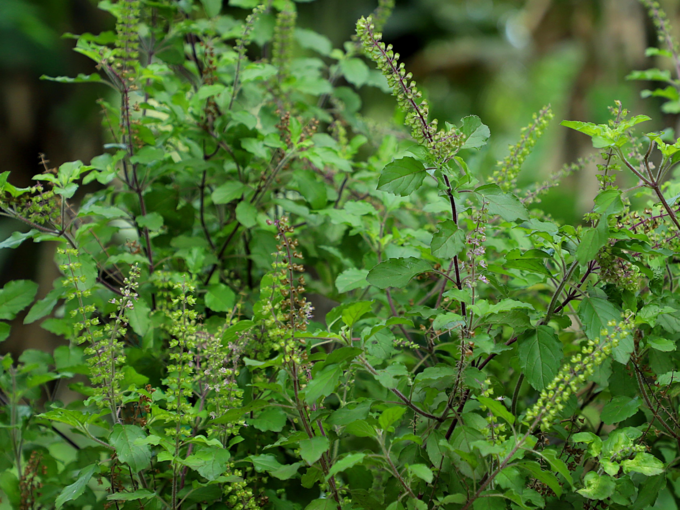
(476, 133)
(643, 463)
(597, 486)
(402, 176)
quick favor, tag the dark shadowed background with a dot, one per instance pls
(499, 59)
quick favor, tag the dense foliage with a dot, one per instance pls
(476, 353)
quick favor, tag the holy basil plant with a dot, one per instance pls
(472, 352)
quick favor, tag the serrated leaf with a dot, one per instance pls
(396, 272)
(402, 176)
(504, 205)
(352, 313)
(619, 408)
(210, 463)
(476, 133)
(540, 353)
(123, 437)
(448, 241)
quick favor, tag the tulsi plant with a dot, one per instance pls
(271, 301)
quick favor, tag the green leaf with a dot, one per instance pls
(312, 449)
(312, 41)
(272, 418)
(15, 296)
(255, 147)
(210, 462)
(212, 7)
(557, 464)
(131, 496)
(540, 353)
(43, 307)
(220, 298)
(397, 272)
(355, 71)
(228, 192)
(390, 415)
(648, 492)
(322, 504)
(504, 205)
(421, 471)
(402, 176)
(351, 279)
(448, 241)
(312, 189)
(546, 477)
(476, 133)
(17, 238)
(246, 214)
(650, 75)
(497, 409)
(123, 438)
(76, 489)
(271, 465)
(643, 463)
(597, 486)
(591, 241)
(608, 202)
(354, 312)
(619, 408)
(323, 384)
(595, 313)
(345, 463)
(153, 221)
(4, 331)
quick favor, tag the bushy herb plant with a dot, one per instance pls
(476, 354)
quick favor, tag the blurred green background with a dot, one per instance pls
(500, 59)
